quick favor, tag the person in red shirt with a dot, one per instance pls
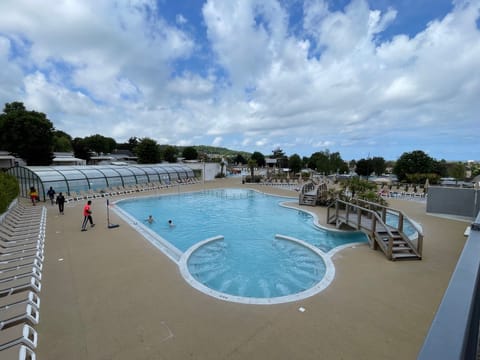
(87, 216)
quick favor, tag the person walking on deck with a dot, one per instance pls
(51, 194)
(87, 216)
(60, 202)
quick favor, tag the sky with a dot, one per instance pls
(363, 78)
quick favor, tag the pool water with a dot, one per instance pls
(408, 228)
(250, 261)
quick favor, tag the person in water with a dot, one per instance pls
(150, 219)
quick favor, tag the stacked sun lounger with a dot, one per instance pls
(22, 238)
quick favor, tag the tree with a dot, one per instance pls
(62, 142)
(28, 134)
(129, 145)
(359, 188)
(337, 164)
(327, 163)
(170, 154)
(239, 159)
(251, 165)
(412, 163)
(295, 163)
(258, 158)
(457, 171)
(80, 149)
(282, 159)
(378, 165)
(365, 167)
(190, 153)
(100, 144)
(148, 151)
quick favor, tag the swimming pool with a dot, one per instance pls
(241, 245)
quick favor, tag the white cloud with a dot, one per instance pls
(330, 82)
(180, 19)
(217, 141)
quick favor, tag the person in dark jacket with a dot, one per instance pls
(60, 202)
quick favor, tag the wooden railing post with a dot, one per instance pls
(347, 211)
(336, 209)
(359, 218)
(400, 221)
(419, 243)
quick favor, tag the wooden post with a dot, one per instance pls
(400, 222)
(347, 211)
(420, 244)
(390, 247)
(359, 218)
(372, 233)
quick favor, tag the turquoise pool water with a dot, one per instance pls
(250, 261)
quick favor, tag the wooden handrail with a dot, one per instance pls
(377, 220)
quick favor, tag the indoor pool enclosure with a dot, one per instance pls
(71, 178)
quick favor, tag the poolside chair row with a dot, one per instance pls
(21, 263)
(124, 190)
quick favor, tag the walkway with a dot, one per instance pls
(108, 294)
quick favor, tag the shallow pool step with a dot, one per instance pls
(282, 289)
(306, 274)
(200, 271)
(294, 281)
(265, 288)
(205, 279)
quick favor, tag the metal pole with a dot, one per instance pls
(108, 213)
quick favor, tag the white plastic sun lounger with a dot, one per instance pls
(20, 273)
(6, 247)
(38, 235)
(18, 352)
(20, 334)
(19, 250)
(21, 284)
(19, 240)
(18, 313)
(7, 234)
(21, 256)
(17, 218)
(22, 297)
(17, 264)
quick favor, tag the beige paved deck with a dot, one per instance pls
(108, 294)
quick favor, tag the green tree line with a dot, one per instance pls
(31, 135)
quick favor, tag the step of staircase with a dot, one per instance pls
(399, 256)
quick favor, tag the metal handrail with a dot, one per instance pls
(453, 334)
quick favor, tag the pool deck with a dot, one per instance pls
(109, 294)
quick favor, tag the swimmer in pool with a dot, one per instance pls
(170, 223)
(150, 219)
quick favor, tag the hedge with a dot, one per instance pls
(9, 190)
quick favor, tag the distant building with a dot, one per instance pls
(66, 158)
(118, 156)
(6, 160)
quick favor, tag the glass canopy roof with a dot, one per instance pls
(68, 179)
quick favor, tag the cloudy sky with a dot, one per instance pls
(361, 77)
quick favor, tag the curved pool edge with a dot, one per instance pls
(181, 259)
(152, 237)
(317, 288)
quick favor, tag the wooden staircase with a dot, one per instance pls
(312, 194)
(371, 219)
